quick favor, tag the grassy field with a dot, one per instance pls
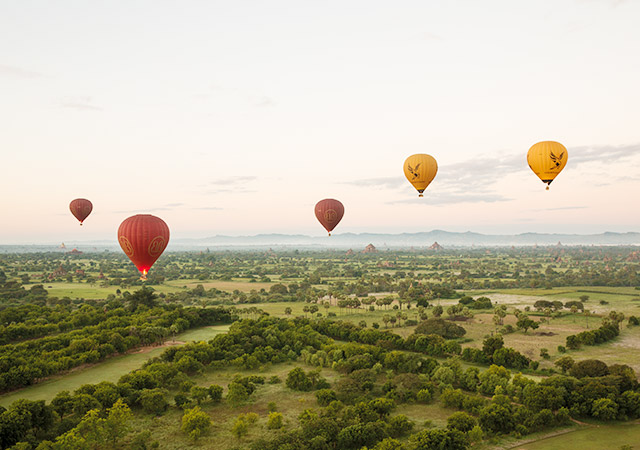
(95, 292)
(166, 428)
(109, 370)
(596, 438)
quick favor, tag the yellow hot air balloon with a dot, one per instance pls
(547, 159)
(420, 170)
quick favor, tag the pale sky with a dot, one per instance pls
(236, 117)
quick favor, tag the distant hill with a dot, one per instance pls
(422, 239)
(426, 239)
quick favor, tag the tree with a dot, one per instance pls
(441, 327)
(476, 434)
(298, 380)
(565, 363)
(589, 368)
(195, 423)
(288, 310)
(461, 421)
(440, 439)
(153, 401)
(118, 421)
(215, 393)
(525, 323)
(199, 394)
(491, 344)
(604, 409)
(236, 394)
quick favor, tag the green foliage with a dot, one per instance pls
(449, 439)
(275, 421)
(461, 421)
(604, 409)
(589, 368)
(153, 401)
(215, 393)
(240, 427)
(237, 394)
(441, 327)
(195, 423)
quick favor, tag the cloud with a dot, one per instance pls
(265, 102)
(228, 181)
(430, 36)
(209, 208)
(601, 153)
(167, 207)
(611, 3)
(381, 182)
(562, 208)
(231, 185)
(80, 103)
(453, 198)
(17, 72)
(474, 180)
(142, 211)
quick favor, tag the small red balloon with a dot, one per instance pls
(143, 238)
(329, 213)
(80, 208)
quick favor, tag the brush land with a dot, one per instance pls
(402, 349)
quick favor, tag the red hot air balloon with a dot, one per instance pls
(329, 212)
(143, 238)
(80, 208)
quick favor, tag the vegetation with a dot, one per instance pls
(400, 351)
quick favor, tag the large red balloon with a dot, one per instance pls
(329, 212)
(143, 238)
(80, 208)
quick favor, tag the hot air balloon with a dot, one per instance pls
(80, 208)
(420, 170)
(329, 212)
(547, 159)
(143, 238)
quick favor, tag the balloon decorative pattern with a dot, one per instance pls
(547, 159)
(143, 238)
(329, 213)
(420, 169)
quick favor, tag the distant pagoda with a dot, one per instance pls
(370, 249)
(436, 247)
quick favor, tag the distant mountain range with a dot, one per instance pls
(357, 241)
(422, 239)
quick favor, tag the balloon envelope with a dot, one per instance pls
(143, 238)
(420, 170)
(80, 208)
(547, 159)
(329, 213)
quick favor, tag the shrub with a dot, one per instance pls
(195, 423)
(441, 327)
(275, 421)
